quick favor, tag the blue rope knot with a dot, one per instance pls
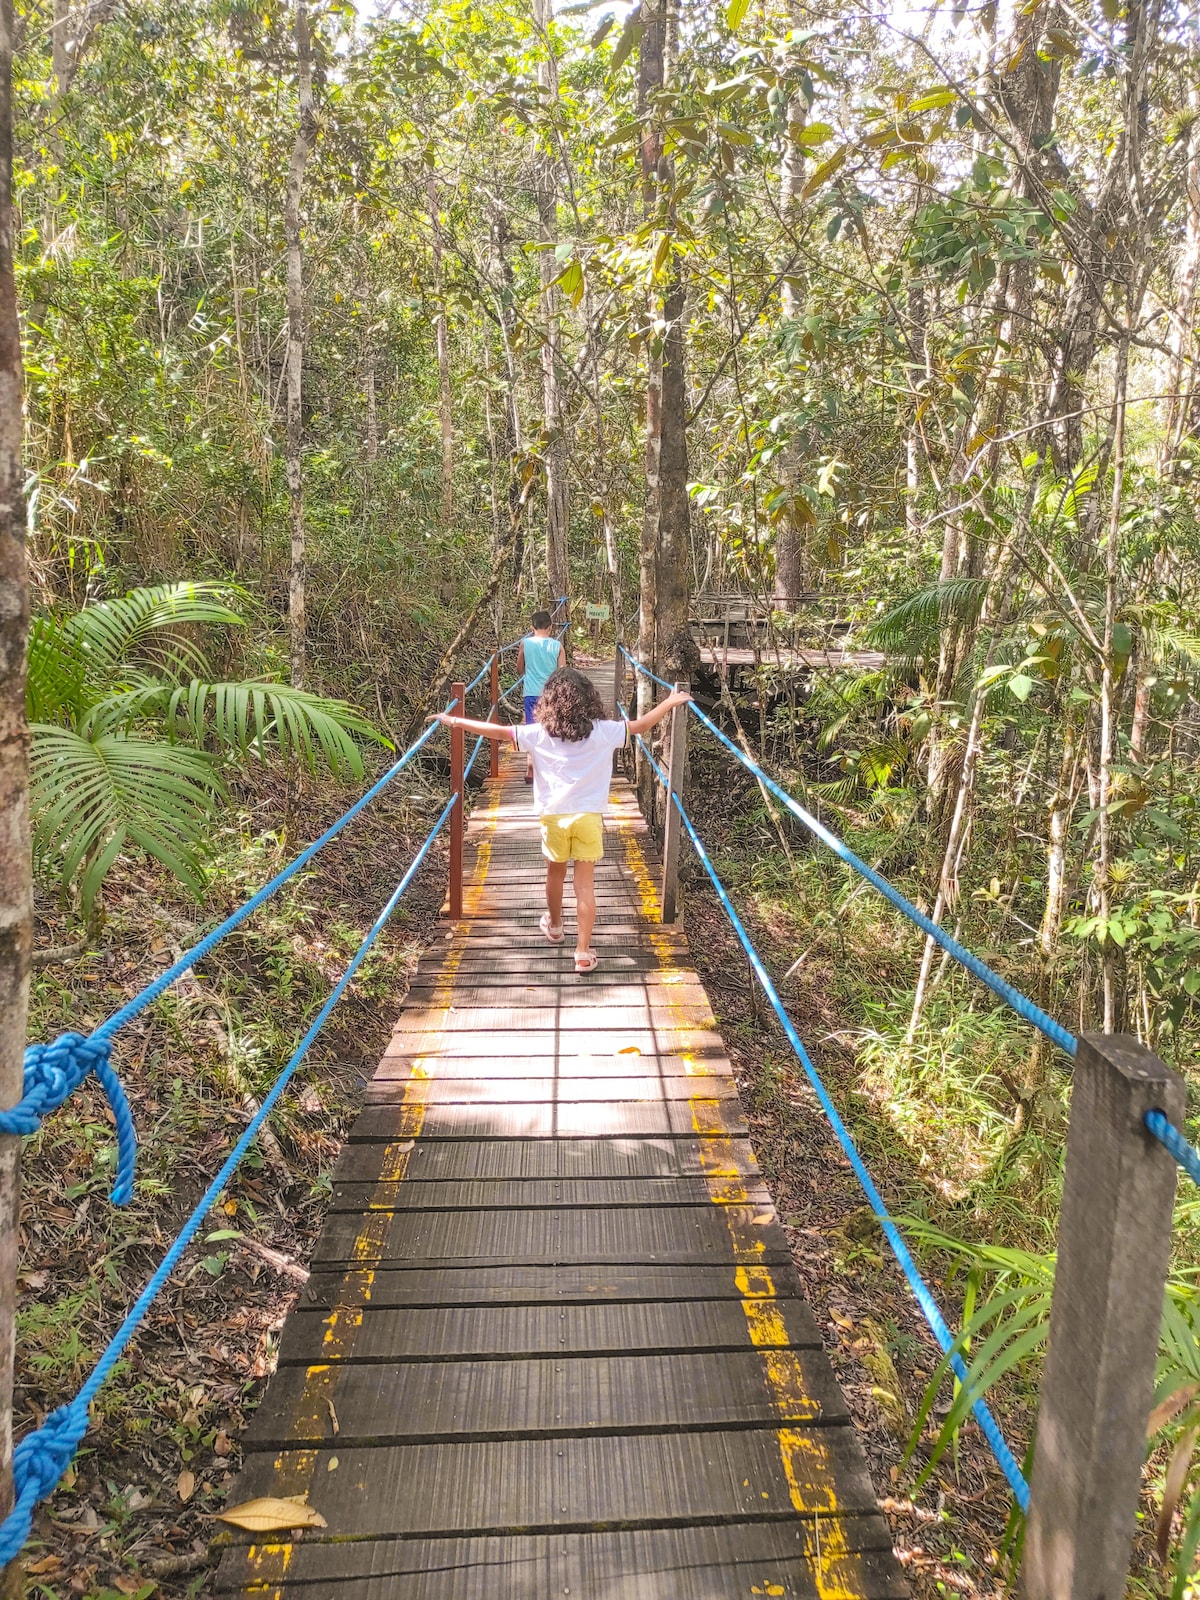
(39, 1462)
(53, 1072)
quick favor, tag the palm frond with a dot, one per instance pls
(912, 625)
(245, 716)
(91, 797)
(56, 671)
(110, 634)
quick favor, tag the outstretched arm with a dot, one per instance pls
(677, 697)
(487, 730)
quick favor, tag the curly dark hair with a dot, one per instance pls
(568, 705)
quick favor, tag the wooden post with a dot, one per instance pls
(494, 716)
(457, 745)
(676, 764)
(618, 677)
(1114, 1240)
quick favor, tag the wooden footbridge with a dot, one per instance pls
(553, 1342)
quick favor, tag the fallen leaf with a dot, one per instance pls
(185, 1485)
(333, 1417)
(45, 1565)
(332, 1464)
(629, 1050)
(268, 1514)
(222, 1444)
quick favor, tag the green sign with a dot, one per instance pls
(597, 613)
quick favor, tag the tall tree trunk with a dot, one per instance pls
(513, 442)
(1179, 416)
(371, 443)
(666, 525)
(301, 150)
(650, 81)
(16, 890)
(442, 329)
(789, 535)
(1058, 826)
(1108, 687)
(558, 492)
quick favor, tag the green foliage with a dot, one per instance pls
(127, 745)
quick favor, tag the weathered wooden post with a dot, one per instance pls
(1114, 1241)
(676, 766)
(618, 676)
(457, 746)
(494, 716)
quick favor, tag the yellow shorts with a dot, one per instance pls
(578, 836)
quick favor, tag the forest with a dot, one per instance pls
(345, 337)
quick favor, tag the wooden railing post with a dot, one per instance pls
(1114, 1241)
(457, 747)
(618, 678)
(676, 766)
(494, 716)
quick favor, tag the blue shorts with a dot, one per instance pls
(531, 701)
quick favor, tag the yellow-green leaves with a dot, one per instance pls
(735, 13)
(825, 171)
(631, 37)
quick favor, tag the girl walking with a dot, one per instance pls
(570, 743)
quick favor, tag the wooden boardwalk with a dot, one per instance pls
(553, 1343)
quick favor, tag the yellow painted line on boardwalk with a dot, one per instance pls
(268, 1563)
(807, 1466)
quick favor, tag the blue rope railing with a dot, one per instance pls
(41, 1458)
(921, 1291)
(54, 1071)
(1169, 1136)
(1020, 1003)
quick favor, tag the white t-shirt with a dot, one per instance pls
(570, 775)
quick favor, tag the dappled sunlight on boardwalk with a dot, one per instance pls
(553, 1343)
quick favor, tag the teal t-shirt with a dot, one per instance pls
(541, 660)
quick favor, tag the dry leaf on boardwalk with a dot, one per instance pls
(271, 1515)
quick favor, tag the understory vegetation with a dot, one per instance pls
(351, 335)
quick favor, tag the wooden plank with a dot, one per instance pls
(679, 1234)
(500, 1120)
(398, 1065)
(523, 1485)
(544, 1194)
(692, 1563)
(560, 1091)
(381, 1403)
(596, 1327)
(571, 1283)
(429, 1161)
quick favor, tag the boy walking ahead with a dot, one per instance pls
(570, 743)
(538, 657)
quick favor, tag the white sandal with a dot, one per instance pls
(586, 961)
(547, 928)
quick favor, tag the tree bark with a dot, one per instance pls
(16, 889)
(301, 150)
(372, 440)
(558, 491)
(1108, 707)
(513, 442)
(445, 400)
(664, 639)
(1179, 418)
(789, 537)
